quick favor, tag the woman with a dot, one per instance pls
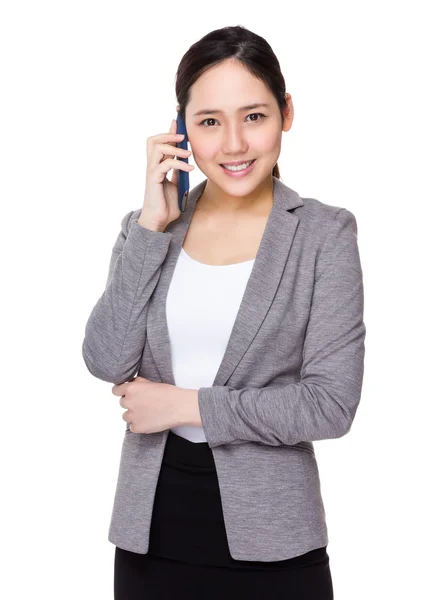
(255, 294)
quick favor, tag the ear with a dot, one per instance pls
(288, 113)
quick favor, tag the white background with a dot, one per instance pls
(83, 85)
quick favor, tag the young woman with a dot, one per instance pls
(243, 317)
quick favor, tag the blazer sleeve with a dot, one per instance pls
(115, 332)
(322, 405)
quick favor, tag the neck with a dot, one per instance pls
(215, 200)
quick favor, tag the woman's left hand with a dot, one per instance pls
(151, 407)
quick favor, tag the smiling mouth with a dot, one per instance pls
(238, 167)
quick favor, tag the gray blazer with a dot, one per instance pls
(291, 374)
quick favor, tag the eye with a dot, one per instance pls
(259, 115)
(250, 115)
(203, 122)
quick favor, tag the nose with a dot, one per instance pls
(233, 140)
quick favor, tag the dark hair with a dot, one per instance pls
(238, 43)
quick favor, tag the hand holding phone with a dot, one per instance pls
(161, 197)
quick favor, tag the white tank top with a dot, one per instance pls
(211, 296)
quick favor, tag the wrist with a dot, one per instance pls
(147, 224)
(150, 220)
(188, 408)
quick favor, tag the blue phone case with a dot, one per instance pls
(183, 176)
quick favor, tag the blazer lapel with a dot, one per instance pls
(259, 293)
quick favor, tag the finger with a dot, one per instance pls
(163, 156)
(169, 150)
(120, 389)
(153, 143)
(176, 153)
(172, 129)
(162, 146)
(174, 177)
(172, 163)
(171, 137)
(158, 156)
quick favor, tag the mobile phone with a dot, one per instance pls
(183, 176)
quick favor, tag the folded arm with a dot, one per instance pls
(322, 405)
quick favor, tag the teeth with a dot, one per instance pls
(238, 167)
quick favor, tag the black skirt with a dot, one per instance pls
(188, 548)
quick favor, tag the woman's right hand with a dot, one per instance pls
(161, 195)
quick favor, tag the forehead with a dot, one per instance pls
(227, 86)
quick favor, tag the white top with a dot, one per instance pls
(211, 296)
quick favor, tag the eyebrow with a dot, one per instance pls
(215, 111)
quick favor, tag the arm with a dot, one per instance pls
(323, 404)
(115, 332)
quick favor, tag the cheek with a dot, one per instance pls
(204, 148)
(267, 143)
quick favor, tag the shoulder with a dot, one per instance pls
(321, 212)
(320, 219)
(314, 215)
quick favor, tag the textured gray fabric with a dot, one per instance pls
(291, 374)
